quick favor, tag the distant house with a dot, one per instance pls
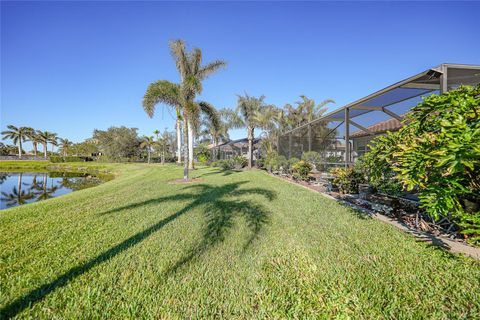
(234, 148)
(361, 139)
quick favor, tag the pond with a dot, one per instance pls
(19, 188)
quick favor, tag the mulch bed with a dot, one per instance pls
(402, 210)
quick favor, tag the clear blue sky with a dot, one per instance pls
(70, 67)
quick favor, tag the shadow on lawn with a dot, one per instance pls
(219, 210)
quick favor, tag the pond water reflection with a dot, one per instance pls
(19, 188)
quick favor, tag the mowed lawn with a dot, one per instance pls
(234, 245)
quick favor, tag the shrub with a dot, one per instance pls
(279, 163)
(347, 179)
(58, 159)
(438, 152)
(239, 162)
(301, 169)
(313, 158)
(227, 164)
(290, 163)
(441, 155)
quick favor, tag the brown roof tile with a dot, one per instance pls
(381, 127)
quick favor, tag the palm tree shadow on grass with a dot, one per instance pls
(219, 210)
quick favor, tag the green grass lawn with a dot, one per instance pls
(235, 245)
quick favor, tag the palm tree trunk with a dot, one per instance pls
(250, 146)
(190, 145)
(19, 187)
(163, 154)
(34, 148)
(20, 147)
(45, 150)
(179, 141)
(148, 155)
(185, 152)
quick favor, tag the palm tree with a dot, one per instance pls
(216, 129)
(309, 110)
(34, 138)
(65, 145)
(17, 135)
(182, 96)
(192, 73)
(47, 137)
(246, 116)
(17, 196)
(147, 143)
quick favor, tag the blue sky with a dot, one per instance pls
(70, 67)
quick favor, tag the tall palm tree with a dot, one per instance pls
(167, 93)
(34, 138)
(17, 135)
(46, 137)
(246, 116)
(182, 96)
(309, 110)
(65, 145)
(147, 143)
(215, 129)
(192, 73)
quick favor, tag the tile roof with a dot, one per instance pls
(381, 127)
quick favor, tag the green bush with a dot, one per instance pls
(239, 162)
(227, 164)
(279, 163)
(58, 159)
(301, 169)
(313, 158)
(438, 152)
(347, 179)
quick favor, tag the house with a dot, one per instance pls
(361, 139)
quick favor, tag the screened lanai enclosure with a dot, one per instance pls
(341, 136)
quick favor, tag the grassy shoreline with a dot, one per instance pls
(236, 244)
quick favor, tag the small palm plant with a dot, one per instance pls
(17, 135)
(147, 143)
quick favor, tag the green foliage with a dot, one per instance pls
(377, 164)
(118, 143)
(239, 162)
(59, 159)
(6, 150)
(278, 163)
(301, 169)
(202, 153)
(226, 164)
(347, 179)
(313, 158)
(438, 152)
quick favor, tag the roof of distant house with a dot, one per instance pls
(379, 128)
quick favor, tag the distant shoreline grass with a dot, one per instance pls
(237, 244)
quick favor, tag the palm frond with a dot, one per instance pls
(210, 68)
(177, 48)
(161, 91)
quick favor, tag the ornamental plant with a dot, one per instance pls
(313, 158)
(347, 179)
(301, 169)
(438, 153)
